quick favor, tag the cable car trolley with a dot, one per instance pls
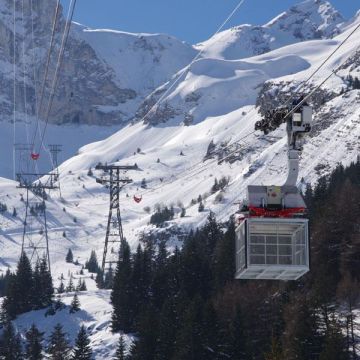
(272, 236)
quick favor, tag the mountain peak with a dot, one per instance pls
(310, 19)
(307, 20)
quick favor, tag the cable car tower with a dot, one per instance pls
(35, 240)
(55, 150)
(114, 231)
(272, 239)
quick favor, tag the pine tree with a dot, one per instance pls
(302, 336)
(237, 339)
(78, 286)
(58, 347)
(275, 352)
(183, 212)
(83, 286)
(215, 187)
(75, 304)
(82, 350)
(224, 259)
(335, 344)
(201, 207)
(189, 343)
(70, 286)
(145, 345)
(58, 304)
(33, 346)
(69, 256)
(168, 325)
(121, 295)
(92, 264)
(19, 297)
(121, 349)
(47, 290)
(109, 279)
(10, 344)
(61, 288)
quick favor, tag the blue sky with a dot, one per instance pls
(189, 20)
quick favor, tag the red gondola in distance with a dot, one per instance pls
(137, 199)
(35, 156)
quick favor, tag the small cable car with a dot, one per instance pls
(272, 236)
(35, 156)
(137, 199)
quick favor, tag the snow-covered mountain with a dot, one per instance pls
(308, 20)
(207, 115)
(105, 74)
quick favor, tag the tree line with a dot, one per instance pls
(58, 346)
(186, 305)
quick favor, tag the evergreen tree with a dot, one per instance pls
(224, 259)
(75, 304)
(61, 288)
(335, 344)
(183, 212)
(58, 304)
(78, 285)
(46, 286)
(275, 352)
(210, 332)
(201, 207)
(58, 347)
(10, 344)
(82, 350)
(190, 340)
(215, 187)
(121, 349)
(33, 346)
(168, 325)
(121, 295)
(109, 279)
(92, 264)
(159, 281)
(237, 339)
(69, 256)
(19, 297)
(303, 338)
(144, 348)
(83, 286)
(70, 286)
(141, 277)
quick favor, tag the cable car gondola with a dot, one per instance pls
(272, 237)
(137, 199)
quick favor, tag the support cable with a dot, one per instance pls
(185, 70)
(52, 39)
(205, 166)
(58, 66)
(14, 93)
